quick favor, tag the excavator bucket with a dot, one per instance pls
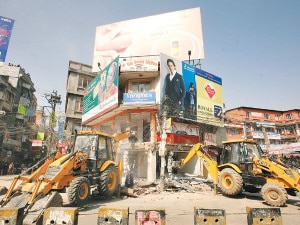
(33, 214)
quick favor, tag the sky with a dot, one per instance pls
(253, 46)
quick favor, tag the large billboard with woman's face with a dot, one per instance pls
(174, 33)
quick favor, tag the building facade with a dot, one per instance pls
(139, 110)
(19, 103)
(268, 127)
(79, 76)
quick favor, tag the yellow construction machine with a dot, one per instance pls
(89, 170)
(241, 165)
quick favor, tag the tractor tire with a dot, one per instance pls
(79, 191)
(274, 194)
(108, 181)
(230, 182)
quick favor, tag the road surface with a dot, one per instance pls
(179, 206)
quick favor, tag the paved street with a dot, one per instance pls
(179, 206)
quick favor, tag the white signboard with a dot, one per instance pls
(174, 33)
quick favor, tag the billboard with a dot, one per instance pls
(173, 33)
(209, 98)
(190, 93)
(6, 26)
(101, 95)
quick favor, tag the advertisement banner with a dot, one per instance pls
(285, 149)
(101, 95)
(61, 124)
(190, 93)
(37, 143)
(172, 92)
(40, 136)
(175, 34)
(6, 26)
(209, 98)
(139, 98)
(139, 64)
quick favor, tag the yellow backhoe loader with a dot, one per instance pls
(242, 166)
(89, 170)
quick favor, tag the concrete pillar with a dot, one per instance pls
(140, 131)
(151, 159)
(151, 169)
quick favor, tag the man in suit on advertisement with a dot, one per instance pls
(174, 87)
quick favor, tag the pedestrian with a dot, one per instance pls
(174, 87)
(11, 168)
(1, 167)
(5, 168)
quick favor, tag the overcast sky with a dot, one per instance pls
(253, 46)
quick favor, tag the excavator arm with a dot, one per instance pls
(209, 163)
(279, 173)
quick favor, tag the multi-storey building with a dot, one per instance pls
(139, 109)
(19, 103)
(268, 127)
(79, 76)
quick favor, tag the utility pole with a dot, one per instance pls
(53, 100)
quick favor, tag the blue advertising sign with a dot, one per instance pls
(6, 26)
(139, 97)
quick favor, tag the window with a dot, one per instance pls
(9, 97)
(289, 116)
(298, 115)
(78, 103)
(277, 117)
(280, 130)
(232, 132)
(143, 86)
(267, 116)
(290, 130)
(248, 114)
(83, 81)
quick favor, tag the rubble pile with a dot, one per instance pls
(182, 183)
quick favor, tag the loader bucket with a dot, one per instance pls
(33, 214)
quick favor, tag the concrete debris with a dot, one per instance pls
(176, 184)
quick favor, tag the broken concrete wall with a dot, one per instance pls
(139, 160)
